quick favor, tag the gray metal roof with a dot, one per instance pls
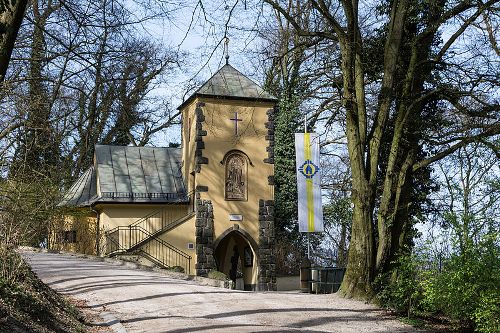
(134, 174)
(83, 192)
(228, 82)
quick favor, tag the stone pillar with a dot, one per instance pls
(200, 133)
(205, 261)
(267, 257)
(270, 136)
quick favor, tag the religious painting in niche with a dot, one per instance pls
(236, 177)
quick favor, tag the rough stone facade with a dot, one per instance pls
(270, 136)
(205, 261)
(267, 256)
(200, 133)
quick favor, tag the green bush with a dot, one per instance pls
(12, 267)
(401, 290)
(487, 313)
(468, 288)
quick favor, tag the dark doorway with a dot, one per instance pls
(236, 258)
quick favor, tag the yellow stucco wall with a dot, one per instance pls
(220, 139)
(83, 223)
(114, 215)
(189, 145)
(180, 237)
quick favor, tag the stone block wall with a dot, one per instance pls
(205, 261)
(200, 133)
(270, 136)
(267, 256)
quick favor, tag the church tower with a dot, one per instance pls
(228, 163)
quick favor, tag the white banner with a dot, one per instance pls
(308, 182)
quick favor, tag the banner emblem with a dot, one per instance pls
(308, 182)
(308, 169)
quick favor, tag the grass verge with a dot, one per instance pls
(28, 305)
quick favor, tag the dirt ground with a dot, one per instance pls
(134, 300)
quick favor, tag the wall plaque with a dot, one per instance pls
(235, 217)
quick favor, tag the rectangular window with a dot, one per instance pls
(69, 236)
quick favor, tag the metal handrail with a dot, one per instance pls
(165, 228)
(110, 240)
(144, 230)
(155, 213)
(141, 195)
(137, 235)
(189, 195)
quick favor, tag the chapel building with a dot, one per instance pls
(208, 205)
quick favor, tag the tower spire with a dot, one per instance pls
(226, 49)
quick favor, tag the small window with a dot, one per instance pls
(190, 246)
(69, 236)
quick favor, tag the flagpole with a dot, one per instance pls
(308, 242)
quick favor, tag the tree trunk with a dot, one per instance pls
(358, 278)
(341, 249)
(11, 18)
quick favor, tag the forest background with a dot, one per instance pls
(403, 93)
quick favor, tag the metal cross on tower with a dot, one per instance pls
(226, 50)
(235, 119)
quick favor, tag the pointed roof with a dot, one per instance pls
(229, 83)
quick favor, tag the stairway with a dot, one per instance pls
(142, 238)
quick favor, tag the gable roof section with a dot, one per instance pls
(131, 175)
(229, 83)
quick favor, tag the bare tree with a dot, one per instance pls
(11, 17)
(403, 112)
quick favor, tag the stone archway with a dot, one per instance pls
(236, 256)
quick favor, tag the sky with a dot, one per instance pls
(199, 33)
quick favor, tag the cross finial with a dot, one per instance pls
(226, 49)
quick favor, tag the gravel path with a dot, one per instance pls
(146, 301)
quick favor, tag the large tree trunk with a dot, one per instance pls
(11, 17)
(364, 155)
(358, 278)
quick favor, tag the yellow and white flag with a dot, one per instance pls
(308, 182)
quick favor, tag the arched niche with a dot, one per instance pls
(236, 175)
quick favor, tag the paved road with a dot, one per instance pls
(146, 301)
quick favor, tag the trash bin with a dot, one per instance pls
(315, 279)
(305, 276)
(333, 278)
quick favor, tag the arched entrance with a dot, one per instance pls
(235, 256)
